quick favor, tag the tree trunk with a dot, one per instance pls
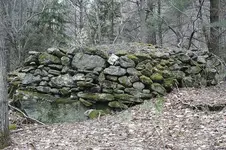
(4, 122)
(143, 28)
(214, 40)
(160, 24)
(151, 36)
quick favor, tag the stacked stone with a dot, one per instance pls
(118, 80)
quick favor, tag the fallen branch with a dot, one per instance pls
(25, 116)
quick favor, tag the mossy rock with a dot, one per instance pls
(146, 72)
(134, 58)
(169, 84)
(46, 58)
(146, 80)
(12, 127)
(85, 102)
(121, 53)
(85, 85)
(187, 81)
(166, 74)
(127, 99)
(179, 75)
(164, 62)
(96, 96)
(160, 67)
(117, 104)
(125, 81)
(157, 77)
(156, 87)
(96, 113)
(94, 51)
(65, 91)
(143, 57)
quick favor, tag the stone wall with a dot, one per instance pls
(119, 80)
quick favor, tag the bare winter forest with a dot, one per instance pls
(187, 25)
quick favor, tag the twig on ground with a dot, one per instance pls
(25, 116)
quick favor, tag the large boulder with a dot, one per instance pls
(87, 62)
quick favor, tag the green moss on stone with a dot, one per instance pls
(133, 57)
(12, 127)
(117, 104)
(85, 102)
(146, 80)
(96, 113)
(96, 96)
(157, 77)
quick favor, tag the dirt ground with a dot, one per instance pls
(188, 119)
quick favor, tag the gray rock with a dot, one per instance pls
(112, 59)
(184, 58)
(96, 96)
(65, 69)
(164, 55)
(56, 67)
(134, 78)
(29, 79)
(54, 91)
(115, 71)
(65, 61)
(112, 78)
(79, 77)
(187, 81)
(158, 88)
(38, 72)
(87, 62)
(43, 89)
(62, 81)
(138, 85)
(133, 71)
(55, 51)
(85, 85)
(43, 83)
(201, 60)
(98, 69)
(126, 62)
(146, 91)
(125, 81)
(30, 59)
(28, 69)
(54, 72)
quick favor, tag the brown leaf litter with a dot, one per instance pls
(190, 119)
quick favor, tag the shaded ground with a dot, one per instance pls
(190, 119)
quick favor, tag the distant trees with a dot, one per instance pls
(38, 24)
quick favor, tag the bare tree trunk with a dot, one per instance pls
(151, 36)
(112, 20)
(160, 23)
(214, 42)
(81, 15)
(99, 36)
(142, 13)
(4, 122)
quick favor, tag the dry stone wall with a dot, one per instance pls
(119, 80)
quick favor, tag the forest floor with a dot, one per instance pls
(189, 119)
